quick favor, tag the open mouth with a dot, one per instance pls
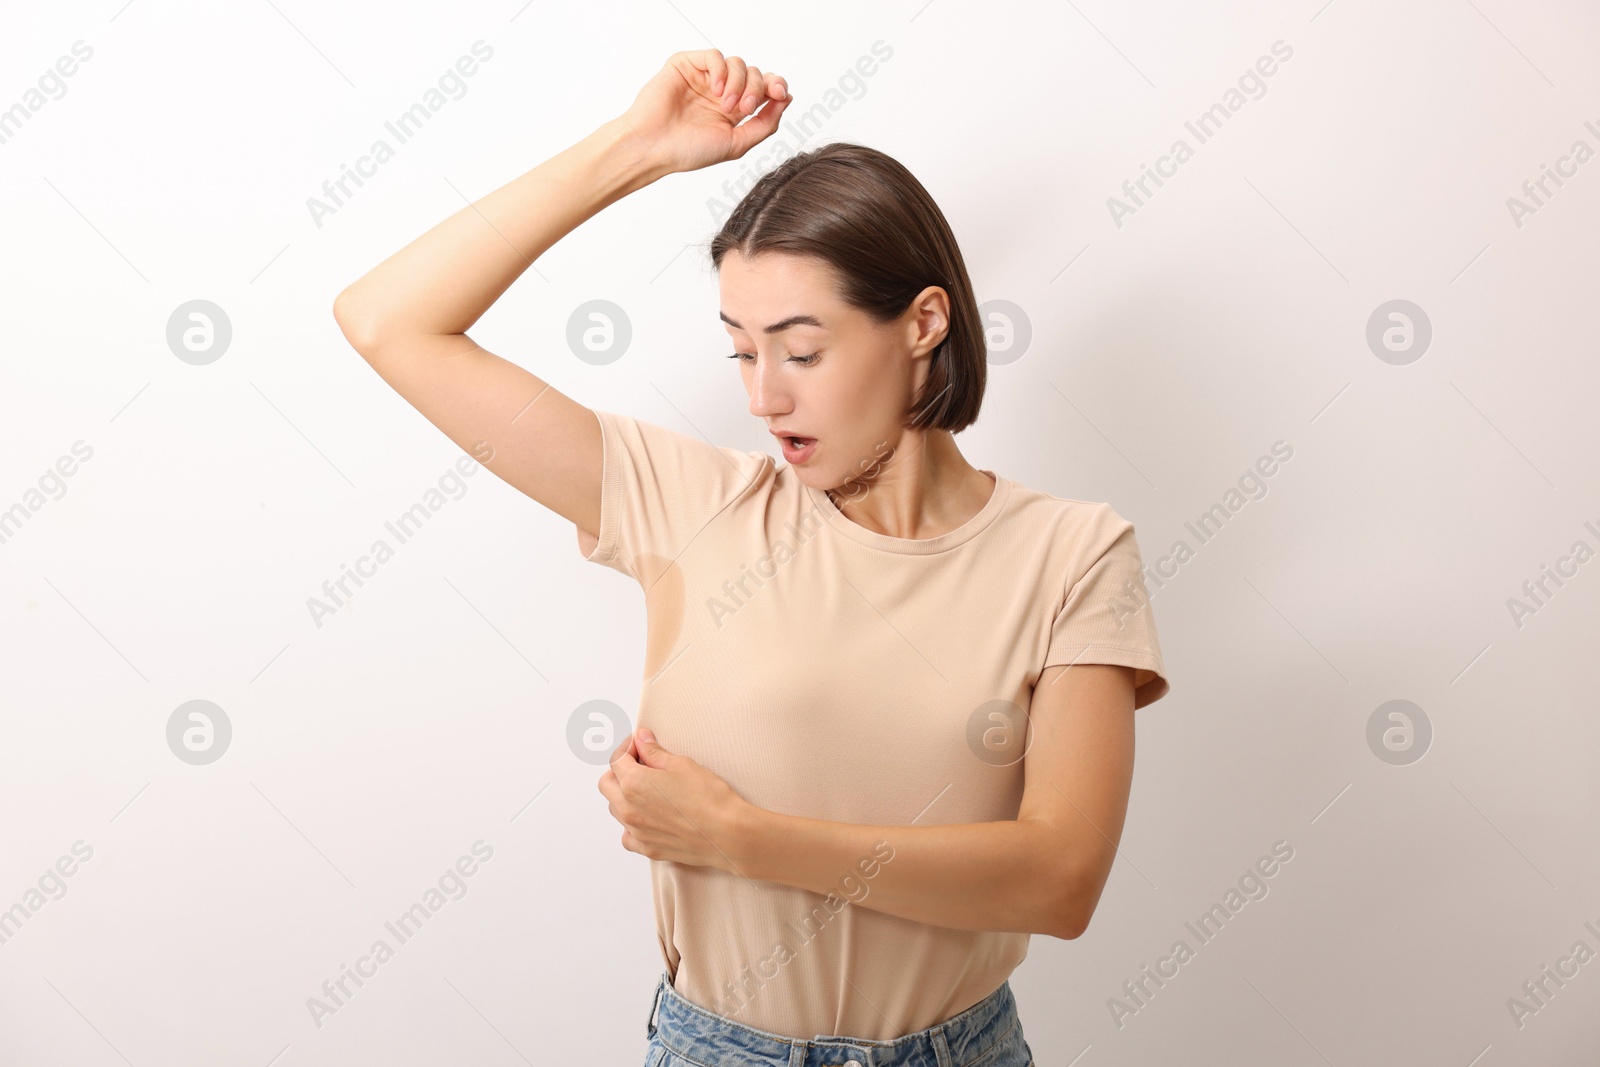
(798, 449)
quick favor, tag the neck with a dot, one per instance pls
(924, 488)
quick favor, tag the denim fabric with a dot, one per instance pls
(988, 1034)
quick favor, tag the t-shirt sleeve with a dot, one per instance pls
(1107, 616)
(658, 490)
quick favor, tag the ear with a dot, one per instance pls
(930, 324)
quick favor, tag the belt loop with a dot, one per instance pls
(650, 1026)
(941, 1048)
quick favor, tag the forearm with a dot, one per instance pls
(443, 281)
(1001, 876)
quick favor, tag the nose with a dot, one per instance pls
(767, 396)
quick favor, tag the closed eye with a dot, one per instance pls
(804, 361)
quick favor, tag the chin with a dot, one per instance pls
(812, 478)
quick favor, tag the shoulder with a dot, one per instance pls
(1094, 522)
(661, 488)
(668, 452)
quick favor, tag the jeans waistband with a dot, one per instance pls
(693, 1032)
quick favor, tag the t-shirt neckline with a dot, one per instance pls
(915, 546)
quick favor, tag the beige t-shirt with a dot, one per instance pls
(832, 672)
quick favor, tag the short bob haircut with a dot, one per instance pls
(863, 213)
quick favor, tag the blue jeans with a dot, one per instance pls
(686, 1035)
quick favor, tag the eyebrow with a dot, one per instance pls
(778, 327)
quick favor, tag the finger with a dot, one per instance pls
(736, 82)
(772, 89)
(709, 62)
(621, 762)
(759, 126)
(755, 91)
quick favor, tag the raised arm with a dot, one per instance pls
(408, 316)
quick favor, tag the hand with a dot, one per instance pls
(683, 117)
(670, 807)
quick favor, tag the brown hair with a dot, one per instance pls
(868, 217)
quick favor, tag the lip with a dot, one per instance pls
(796, 455)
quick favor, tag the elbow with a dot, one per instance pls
(358, 326)
(1075, 901)
(1078, 879)
(1071, 921)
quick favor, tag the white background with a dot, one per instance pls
(1168, 354)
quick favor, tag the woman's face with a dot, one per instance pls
(818, 368)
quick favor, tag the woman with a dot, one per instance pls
(895, 692)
